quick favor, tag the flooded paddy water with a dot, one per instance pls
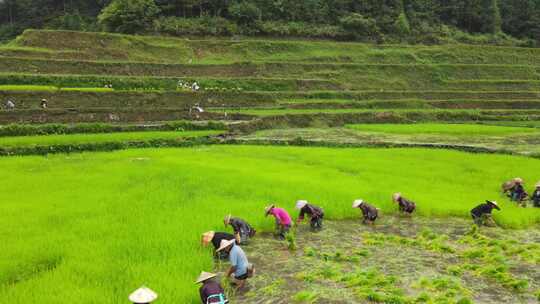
(398, 260)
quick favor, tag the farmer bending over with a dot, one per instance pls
(369, 212)
(242, 230)
(240, 269)
(211, 291)
(216, 238)
(536, 196)
(315, 214)
(481, 214)
(405, 205)
(283, 220)
(517, 192)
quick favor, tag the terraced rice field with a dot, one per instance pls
(94, 226)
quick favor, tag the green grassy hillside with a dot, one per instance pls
(269, 77)
(115, 47)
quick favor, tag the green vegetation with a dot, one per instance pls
(368, 20)
(122, 215)
(50, 129)
(77, 139)
(317, 133)
(441, 129)
(106, 47)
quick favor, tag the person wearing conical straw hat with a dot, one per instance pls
(143, 295)
(240, 269)
(215, 238)
(536, 196)
(211, 291)
(283, 220)
(481, 214)
(517, 193)
(406, 206)
(369, 212)
(315, 214)
(242, 230)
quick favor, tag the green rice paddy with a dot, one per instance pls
(74, 139)
(443, 129)
(97, 225)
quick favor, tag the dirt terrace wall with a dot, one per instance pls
(156, 100)
(109, 116)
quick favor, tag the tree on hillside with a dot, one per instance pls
(360, 27)
(129, 16)
(491, 17)
(245, 12)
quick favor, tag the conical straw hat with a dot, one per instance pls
(301, 204)
(357, 203)
(207, 237)
(224, 244)
(205, 276)
(143, 295)
(268, 209)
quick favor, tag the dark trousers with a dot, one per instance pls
(282, 230)
(316, 222)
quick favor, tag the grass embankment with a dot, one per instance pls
(127, 83)
(128, 218)
(107, 47)
(469, 137)
(442, 129)
(78, 139)
(349, 76)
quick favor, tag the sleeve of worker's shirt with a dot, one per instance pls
(234, 258)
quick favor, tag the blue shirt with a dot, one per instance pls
(238, 259)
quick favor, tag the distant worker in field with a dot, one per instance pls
(283, 220)
(369, 212)
(44, 103)
(211, 291)
(215, 238)
(518, 193)
(143, 295)
(481, 214)
(10, 105)
(405, 205)
(240, 269)
(508, 186)
(242, 230)
(536, 196)
(316, 214)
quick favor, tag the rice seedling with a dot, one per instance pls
(306, 297)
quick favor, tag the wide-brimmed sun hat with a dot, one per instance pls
(268, 209)
(205, 276)
(537, 185)
(518, 180)
(207, 237)
(357, 203)
(143, 295)
(396, 196)
(301, 204)
(224, 244)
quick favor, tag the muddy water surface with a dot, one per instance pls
(410, 251)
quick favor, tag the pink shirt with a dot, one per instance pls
(281, 215)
